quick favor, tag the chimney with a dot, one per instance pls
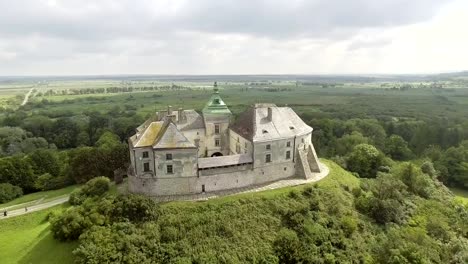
(169, 110)
(180, 113)
(171, 118)
(270, 114)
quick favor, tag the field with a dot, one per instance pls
(27, 239)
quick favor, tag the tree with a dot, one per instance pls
(108, 140)
(17, 171)
(65, 133)
(365, 160)
(45, 161)
(345, 144)
(397, 148)
(84, 164)
(417, 182)
(93, 188)
(9, 192)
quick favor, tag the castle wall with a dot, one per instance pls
(238, 144)
(138, 160)
(213, 180)
(184, 163)
(277, 151)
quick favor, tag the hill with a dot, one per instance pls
(341, 219)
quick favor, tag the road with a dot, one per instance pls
(34, 208)
(25, 101)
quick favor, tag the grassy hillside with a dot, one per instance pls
(27, 239)
(313, 223)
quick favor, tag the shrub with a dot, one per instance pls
(96, 187)
(365, 160)
(93, 188)
(9, 192)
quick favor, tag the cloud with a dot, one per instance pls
(208, 37)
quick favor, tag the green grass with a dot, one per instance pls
(461, 195)
(46, 196)
(27, 239)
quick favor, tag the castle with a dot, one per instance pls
(180, 151)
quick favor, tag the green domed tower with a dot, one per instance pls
(217, 117)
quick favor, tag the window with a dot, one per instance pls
(265, 131)
(268, 147)
(268, 158)
(216, 129)
(217, 142)
(168, 156)
(146, 166)
(288, 154)
(170, 169)
(288, 144)
(145, 154)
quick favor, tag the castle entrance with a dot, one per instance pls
(217, 154)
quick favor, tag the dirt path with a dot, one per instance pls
(25, 101)
(34, 208)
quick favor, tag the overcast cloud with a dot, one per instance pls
(47, 37)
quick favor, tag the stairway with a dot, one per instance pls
(303, 169)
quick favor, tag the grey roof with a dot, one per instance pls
(254, 123)
(193, 120)
(172, 138)
(213, 162)
(160, 135)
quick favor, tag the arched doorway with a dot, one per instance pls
(217, 154)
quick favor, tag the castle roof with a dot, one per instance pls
(216, 105)
(263, 122)
(160, 135)
(191, 120)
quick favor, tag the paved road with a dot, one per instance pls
(34, 208)
(25, 101)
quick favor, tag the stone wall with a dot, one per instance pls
(237, 142)
(222, 179)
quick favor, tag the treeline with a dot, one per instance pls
(113, 89)
(38, 152)
(48, 169)
(443, 144)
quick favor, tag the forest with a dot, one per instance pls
(393, 153)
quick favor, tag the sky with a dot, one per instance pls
(95, 37)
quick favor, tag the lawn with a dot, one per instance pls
(461, 195)
(27, 239)
(28, 199)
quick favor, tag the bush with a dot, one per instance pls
(365, 160)
(93, 188)
(9, 192)
(96, 187)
